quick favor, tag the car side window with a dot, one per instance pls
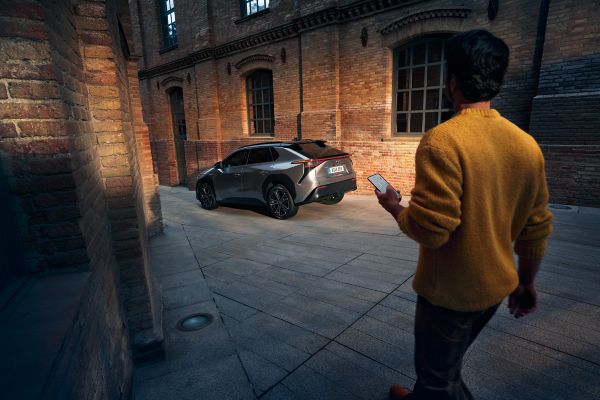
(274, 153)
(260, 155)
(236, 159)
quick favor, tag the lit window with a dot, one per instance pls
(250, 7)
(259, 95)
(167, 16)
(419, 81)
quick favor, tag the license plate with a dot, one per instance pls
(333, 170)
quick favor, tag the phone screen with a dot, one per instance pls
(378, 181)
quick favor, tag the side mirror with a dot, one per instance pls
(219, 164)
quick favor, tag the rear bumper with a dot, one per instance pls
(325, 191)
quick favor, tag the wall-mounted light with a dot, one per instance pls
(364, 37)
(283, 55)
(189, 78)
(493, 9)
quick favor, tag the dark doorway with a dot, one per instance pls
(179, 130)
(12, 260)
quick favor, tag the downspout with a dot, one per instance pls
(300, 89)
(197, 118)
(538, 52)
(297, 8)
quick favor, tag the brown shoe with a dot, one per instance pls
(398, 392)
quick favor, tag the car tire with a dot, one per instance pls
(280, 202)
(336, 198)
(206, 196)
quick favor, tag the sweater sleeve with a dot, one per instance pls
(532, 241)
(434, 210)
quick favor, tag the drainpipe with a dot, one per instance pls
(538, 53)
(300, 89)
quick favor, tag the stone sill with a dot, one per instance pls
(408, 137)
(35, 323)
(167, 49)
(251, 16)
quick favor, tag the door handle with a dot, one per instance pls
(264, 172)
(237, 175)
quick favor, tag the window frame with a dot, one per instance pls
(245, 7)
(410, 90)
(176, 123)
(169, 41)
(251, 106)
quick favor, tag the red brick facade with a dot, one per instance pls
(78, 172)
(346, 87)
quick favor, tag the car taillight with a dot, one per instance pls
(312, 163)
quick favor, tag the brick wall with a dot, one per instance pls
(108, 63)
(347, 87)
(565, 116)
(66, 104)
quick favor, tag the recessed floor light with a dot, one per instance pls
(194, 322)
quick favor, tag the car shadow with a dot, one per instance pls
(262, 210)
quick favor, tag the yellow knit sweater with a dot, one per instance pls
(480, 186)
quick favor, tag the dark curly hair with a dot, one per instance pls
(479, 61)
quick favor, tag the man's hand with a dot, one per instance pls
(390, 200)
(523, 300)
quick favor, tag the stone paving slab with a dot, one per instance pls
(321, 307)
(33, 326)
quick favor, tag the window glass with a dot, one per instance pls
(177, 113)
(260, 155)
(316, 150)
(259, 95)
(418, 98)
(274, 153)
(250, 7)
(236, 159)
(167, 17)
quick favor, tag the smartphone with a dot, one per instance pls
(379, 183)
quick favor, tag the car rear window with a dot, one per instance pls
(316, 150)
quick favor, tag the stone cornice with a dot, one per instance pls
(271, 35)
(254, 58)
(333, 15)
(447, 12)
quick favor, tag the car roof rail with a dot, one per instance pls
(261, 144)
(308, 141)
(290, 143)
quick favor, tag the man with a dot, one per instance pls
(480, 186)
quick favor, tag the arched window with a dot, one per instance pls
(419, 102)
(167, 21)
(259, 97)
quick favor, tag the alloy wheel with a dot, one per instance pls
(206, 196)
(279, 202)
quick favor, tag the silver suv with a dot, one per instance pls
(278, 175)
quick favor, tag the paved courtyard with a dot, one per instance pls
(321, 307)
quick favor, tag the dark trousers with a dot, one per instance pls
(442, 337)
